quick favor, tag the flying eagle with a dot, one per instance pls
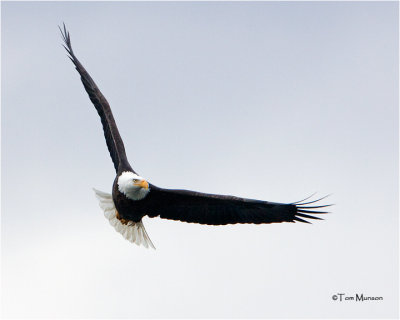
(133, 197)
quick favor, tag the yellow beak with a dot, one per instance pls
(143, 184)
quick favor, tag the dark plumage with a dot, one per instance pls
(113, 139)
(212, 209)
(182, 205)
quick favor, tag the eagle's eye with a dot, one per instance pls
(135, 180)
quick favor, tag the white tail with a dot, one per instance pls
(132, 231)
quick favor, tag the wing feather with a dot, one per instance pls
(111, 134)
(202, 208)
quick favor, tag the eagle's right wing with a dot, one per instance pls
(113, 139)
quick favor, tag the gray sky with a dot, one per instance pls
(269, 100)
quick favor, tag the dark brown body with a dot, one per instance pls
(127, 208)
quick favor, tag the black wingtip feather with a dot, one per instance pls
(67, 40)
(304, 203)
(305, 198)
(301, 220)
(312, 211)
(308, 216)
(308, 212)
(315, 207)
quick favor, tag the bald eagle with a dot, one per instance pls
(133, 197)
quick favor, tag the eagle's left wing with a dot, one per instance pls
(211, 209)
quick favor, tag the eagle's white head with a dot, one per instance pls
(132, 185)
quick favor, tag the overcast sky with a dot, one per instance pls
(269, 101)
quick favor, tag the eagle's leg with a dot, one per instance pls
(123, 221)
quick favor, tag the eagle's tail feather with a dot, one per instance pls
(134, 232)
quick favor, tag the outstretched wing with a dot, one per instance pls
(196, 207)
(113, 139)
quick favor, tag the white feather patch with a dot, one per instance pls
(133, 231)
